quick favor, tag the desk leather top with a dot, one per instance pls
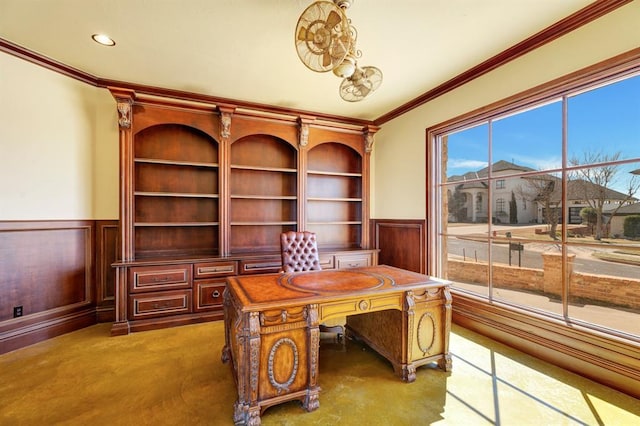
(259, 291)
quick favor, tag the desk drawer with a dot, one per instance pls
(151, 305)
(151, 278)
(215, 269)
(363, 305)
(209, 294)
(353, 260)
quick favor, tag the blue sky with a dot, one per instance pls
(601, 122)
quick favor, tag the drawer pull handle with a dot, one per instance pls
(215, 269)
(215, 294)
(160, 279)
(163, 306)
(261, 265)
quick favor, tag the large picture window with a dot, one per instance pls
(558, 232)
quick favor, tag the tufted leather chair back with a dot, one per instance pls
(299, 251)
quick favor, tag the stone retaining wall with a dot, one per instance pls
(602, 289)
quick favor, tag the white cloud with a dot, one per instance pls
(538, 163)
(459, 163)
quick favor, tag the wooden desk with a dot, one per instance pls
(272, 332)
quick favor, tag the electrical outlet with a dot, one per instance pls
(17, 311)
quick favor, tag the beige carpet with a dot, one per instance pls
(175, 377)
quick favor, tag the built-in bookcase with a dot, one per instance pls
(263, 192)
(334, 195)
(176, 192)
(206, 190)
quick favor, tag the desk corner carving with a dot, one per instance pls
(410, 300)
(312, 402)
(245, 415)
(254, 324)
(408, 373)
(446, 363)
(312, 314)
(226, 357)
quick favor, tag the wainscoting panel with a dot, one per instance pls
(106, 255)
(402, 243)
(47, 273)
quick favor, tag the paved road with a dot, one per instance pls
(617, 319)
(532, 258)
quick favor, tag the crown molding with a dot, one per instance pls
(585, 15)
(46, 62)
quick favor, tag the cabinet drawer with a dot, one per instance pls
(150, 278)
(353, 260)
(159, 304)
(261, 266)
(327, 261)
(215, 269)
(209, 294)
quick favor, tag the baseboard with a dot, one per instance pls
(173, 321)
(107, 314)
(34, 332)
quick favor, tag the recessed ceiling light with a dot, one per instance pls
(103, 39)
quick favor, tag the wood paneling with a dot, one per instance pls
(401, 243)
(106, 255)
(48, 269)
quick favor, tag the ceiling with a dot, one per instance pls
(244, 49)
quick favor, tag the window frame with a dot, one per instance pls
(606, 72)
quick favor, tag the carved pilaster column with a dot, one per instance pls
(225, 122)
(124, 108)
(124, 103)
(254, 354)
(124, 112)
(312, 401)
(368, 133)
(314, 343)
(224, 160)
(304, 126)
(304, 123)
(409, 312)
(246, 409)
(446, 363)
(408, 369)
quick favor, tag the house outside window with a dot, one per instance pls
(580, 151)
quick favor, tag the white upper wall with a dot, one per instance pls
(59, 136)
(57, 141)
(399, 160)
(106, 167)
